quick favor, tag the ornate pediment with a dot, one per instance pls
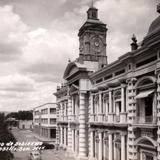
(72, 68)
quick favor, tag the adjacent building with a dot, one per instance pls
(45, 122)
(111, 111)
(25, 124)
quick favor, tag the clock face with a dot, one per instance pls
(97, 44)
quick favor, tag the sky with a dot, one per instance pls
(38, 37)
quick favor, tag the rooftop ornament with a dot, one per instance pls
(134, 44)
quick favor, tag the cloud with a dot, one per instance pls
(12, 31)
(46, 55)
(16, 83)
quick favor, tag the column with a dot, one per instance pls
(114, 151)
(123, 115)
(100, 146)
(110, 146)
(110, 101)
(49, 133)
(100, 102)
(123, 148)
(65, 111)
(62, 135)
(91, 143)
(73, 103)
(77, 142)
(105, 151)
(69, 127)
(107, 109)
(100, 107)
(83, 132)
(73, 140)
(123, 98)
(60, 138)
(65, 141)
(91, 104)
(91, 111)
(158, 113)
(110, 115)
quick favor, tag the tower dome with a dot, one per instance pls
(155, 26)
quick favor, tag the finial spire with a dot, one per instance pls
(134, 44)
(92, 3)
(158, 7)
(92, 12)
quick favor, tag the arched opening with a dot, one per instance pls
(146, 100)
(146, 148)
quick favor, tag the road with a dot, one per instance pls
(28, 136)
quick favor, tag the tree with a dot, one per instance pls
(21, 115)
(5, 136)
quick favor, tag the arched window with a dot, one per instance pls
(146, 100)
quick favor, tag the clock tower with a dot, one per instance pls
(92, 39)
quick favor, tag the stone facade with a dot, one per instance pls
(111, 111)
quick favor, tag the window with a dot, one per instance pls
(148, 106)
(99, 80)
(108, 77)
(120, 72)
(129, 67)
(52, 110)
(53, 121)
(94, 15)
(53, 133)
(145, 99)
(44, 121)
(44, 111)
(144, 62)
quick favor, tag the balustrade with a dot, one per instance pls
(145, 120)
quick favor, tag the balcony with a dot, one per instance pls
(62, 118)
(150, 121)
(93, 118)
(101, 117)
(117, 118)
(98, 118)
(145, 120)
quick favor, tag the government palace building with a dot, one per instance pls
(111, 111)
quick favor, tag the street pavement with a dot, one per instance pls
(28, 136)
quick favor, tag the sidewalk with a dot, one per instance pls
(43, 139)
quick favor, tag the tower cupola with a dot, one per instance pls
(92, 13)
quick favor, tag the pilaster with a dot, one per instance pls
(83, 130)
(158, 114)
(131, 92)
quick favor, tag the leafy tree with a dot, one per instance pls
(5, 136)
(21, 115)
